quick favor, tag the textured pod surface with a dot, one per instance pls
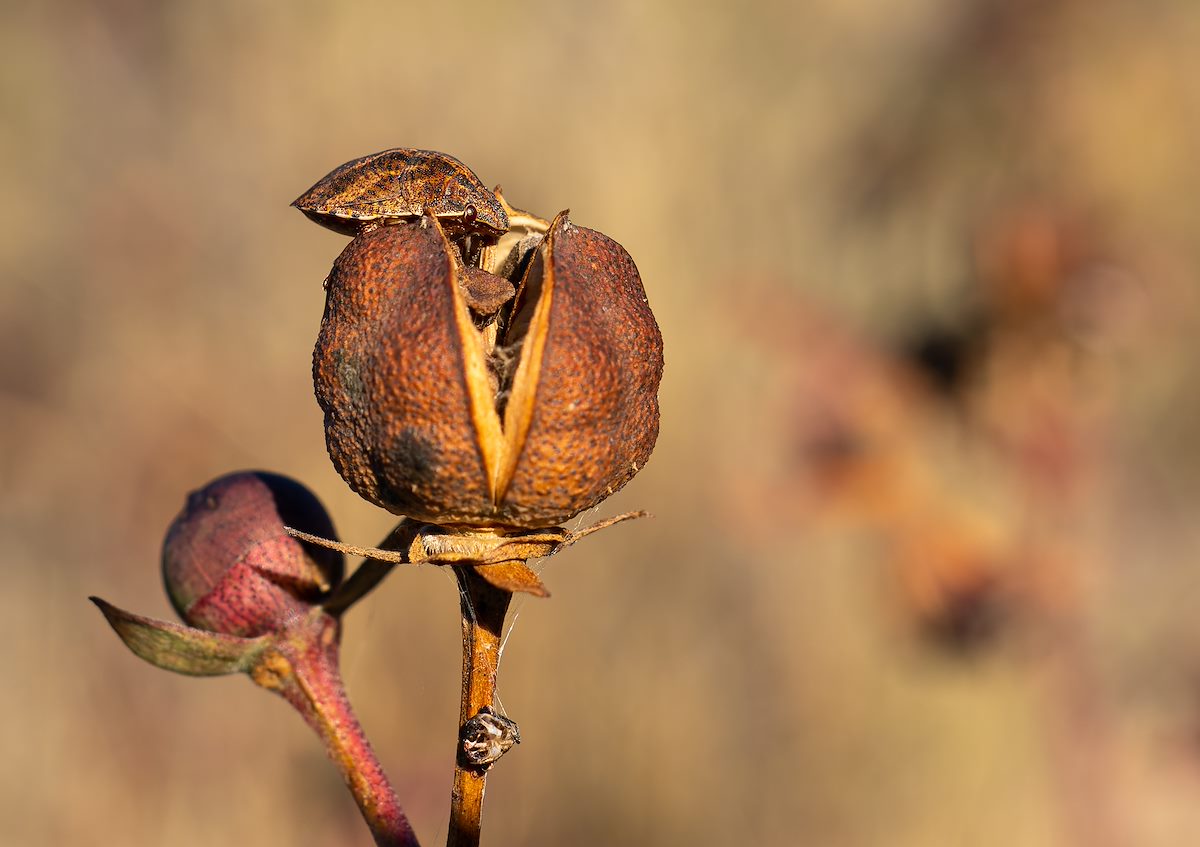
(229, 566)
(389, 374)
(403, 183)
(421, 421)
(594, 416)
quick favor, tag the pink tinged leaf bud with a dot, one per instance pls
(252, 592)
(230, 567)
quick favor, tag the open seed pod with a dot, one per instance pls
(522, 418)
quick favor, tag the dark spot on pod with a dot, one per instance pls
(409, 463)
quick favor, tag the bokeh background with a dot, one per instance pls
(923, 563)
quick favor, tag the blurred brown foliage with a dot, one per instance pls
(926, 278)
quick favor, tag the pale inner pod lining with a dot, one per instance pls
(502, 410)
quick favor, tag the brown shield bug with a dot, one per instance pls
(403, 184)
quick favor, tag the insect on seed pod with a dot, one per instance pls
(401, 184)
(523, 423)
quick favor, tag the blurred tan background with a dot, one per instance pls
(922, 569)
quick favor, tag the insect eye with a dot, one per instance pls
(470, 214)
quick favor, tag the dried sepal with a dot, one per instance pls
(183, 649)
(498, 556)
(515, 577)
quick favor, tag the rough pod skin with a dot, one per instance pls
(430, 417)
(228, 565)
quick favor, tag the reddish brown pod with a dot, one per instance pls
(522, 421)
(229, 566)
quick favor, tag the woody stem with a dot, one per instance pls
(483, 609)
(304, 671)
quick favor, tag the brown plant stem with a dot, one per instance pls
(484, 607)
(303, 668)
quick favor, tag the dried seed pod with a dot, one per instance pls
(230, 567)
(403, 183)
(428, 416)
